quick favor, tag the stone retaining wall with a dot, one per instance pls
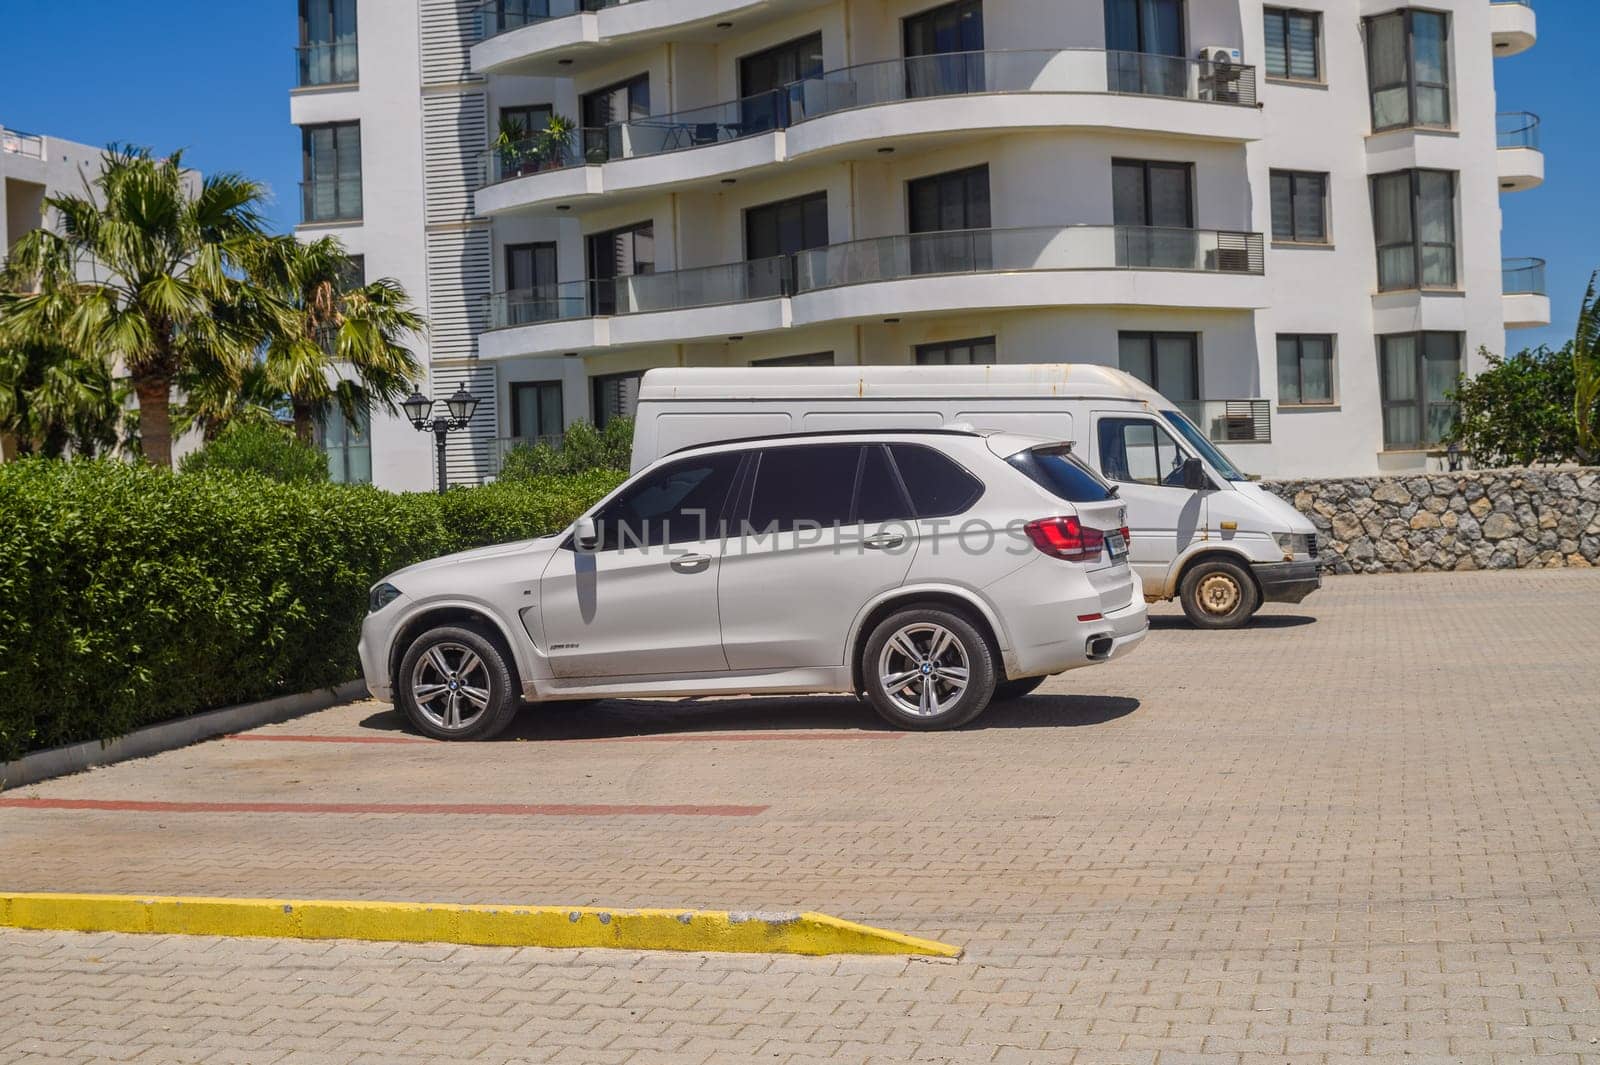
(1480, 519)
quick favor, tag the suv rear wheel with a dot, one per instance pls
(927, 669)
(455, 684)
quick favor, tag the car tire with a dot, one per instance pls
(456, 684)
(930, 699)
(1007, 690)
(1219, 594)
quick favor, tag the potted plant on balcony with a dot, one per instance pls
(555, 141)
(513, 148)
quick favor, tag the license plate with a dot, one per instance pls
(1119, 546)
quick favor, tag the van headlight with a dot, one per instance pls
(381, 596)
(1293, 543)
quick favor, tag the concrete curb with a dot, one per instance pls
(170, 735)
(497, 926)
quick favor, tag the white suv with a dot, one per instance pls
(931, 571)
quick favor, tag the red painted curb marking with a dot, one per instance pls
(485, 809)
(685, 737)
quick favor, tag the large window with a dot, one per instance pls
(328, 42)
(535, 409)
(618, 253)
(955, 203)
(944, 49)
(615, 395)
(1167, 362)
(1154, 203)
(979, 351)
(786, 227)
(348, 444)
(764, 77)
(1416, 371)
(1146, 47)
(1299, 207)
(1305, 368)
(1408, 69)
(1294, 44)
(626, 101)
(331, 164)
(1414, 222)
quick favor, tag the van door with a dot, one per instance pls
(1145, 462)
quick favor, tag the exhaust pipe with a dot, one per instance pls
(1099, 647)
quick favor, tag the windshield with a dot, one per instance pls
(1207, 449)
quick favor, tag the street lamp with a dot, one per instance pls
(458, 411)
(1453, 456)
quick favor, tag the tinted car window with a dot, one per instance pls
(679, 503)
(938, 487)
(1061, 474)
(804, 485)
(1139, 451)
(878, 495)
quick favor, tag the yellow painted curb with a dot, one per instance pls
(496, 926)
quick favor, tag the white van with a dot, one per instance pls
(1202, 532)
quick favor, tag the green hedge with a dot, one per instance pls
(130, 595)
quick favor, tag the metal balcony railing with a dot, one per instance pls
(1517, 129)
(1231, 421)
(670, 290)
(331, 200)
(15, 142)
(1523, 277)
(545, 151)
(328, 63)
(502, 16)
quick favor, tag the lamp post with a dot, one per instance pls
(1453, 456)
(457, 413)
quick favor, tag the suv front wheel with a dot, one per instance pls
(927, 669)
(455, 684)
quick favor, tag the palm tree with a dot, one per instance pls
(326, 322)
(1586, 375)
(51, 400)
(164, 292)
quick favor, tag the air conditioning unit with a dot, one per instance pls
(1221, 56)
(1220, 67)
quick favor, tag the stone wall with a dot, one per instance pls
(1479, 519)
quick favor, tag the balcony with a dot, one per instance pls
(1527, 298)
(1521, 159)
(854, 111)
(1514, 26)
(905, 275)
(27, 145)
(327, 64)
(330, 201)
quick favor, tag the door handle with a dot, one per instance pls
(691, 563)
(883, 540)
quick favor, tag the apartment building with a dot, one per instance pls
(1285, 216)
(32, 167)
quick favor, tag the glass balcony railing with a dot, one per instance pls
(502, 16)
(670, 290)
(329, 63)
(1028, 249)
(1517, 129)
(1523, 277)
(15, 142)
(331, 200)
(545, 151)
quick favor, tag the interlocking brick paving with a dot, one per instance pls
(1368, 828)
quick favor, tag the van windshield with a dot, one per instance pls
(1208, 451)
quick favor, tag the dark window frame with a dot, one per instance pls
(920, 354)
(1299, 340)
(1416, 243)
(1146, 166)
(533, 247)
(976, 484)
(966, 175)
(338, 452)
(783, 50)
(539, 387)
(341, 212)
(1411, 82)
(1153, 335)
(759, 213)
(1295, 179)
(1285, 17)
(628, 83)
(1420, 403)
(599, 415)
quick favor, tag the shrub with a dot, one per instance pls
(583, 448)
(1519, 411)
(254, 447)
(130, 595)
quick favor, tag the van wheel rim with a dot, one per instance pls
(924, 670)
(450, 685)
(1219, 594)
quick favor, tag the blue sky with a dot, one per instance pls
(214, 78)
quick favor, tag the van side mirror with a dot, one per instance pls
(584, 534)
(1194, 475)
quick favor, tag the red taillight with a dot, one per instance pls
(1127, 535)
(1066, 538)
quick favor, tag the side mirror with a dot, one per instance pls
(1194, 475)
(584, 534)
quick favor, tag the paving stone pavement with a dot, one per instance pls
(1368, 828)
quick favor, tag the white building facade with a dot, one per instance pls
(1283, 216)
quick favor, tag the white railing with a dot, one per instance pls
(15, 142)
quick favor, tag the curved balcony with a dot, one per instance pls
(854, 111)
(896, 276)
(1527, 296)
(1521, 159)
(1514, 26)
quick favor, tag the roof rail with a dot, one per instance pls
(827, 432)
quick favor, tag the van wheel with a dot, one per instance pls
(927, 669)
(456, 685)
(1007, 690)
(1218, 594)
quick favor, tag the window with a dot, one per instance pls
(1414, 221)
(680, 503)
(1056, 470)
(765, 76)
(1146, 47)
(348, 444)
(1299, 207)
(1408, 69)
(944, 50)
(331, 163)
(618, 253)
(786, 227)
(814, 358)
(328, 42)
(938, 487)
(1167, 362)
(625, 101)
(879, 495)
(1151, 202)
(956, 203)
(1294, 44)
(1305, 368)
(1138, 451)
(615, 395)
(530, 267)
(535, 409)
(355, 272)
(804, 485)
(1416, 371)
(519, 123)
(978, 351)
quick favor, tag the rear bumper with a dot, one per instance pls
(1287, 582)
